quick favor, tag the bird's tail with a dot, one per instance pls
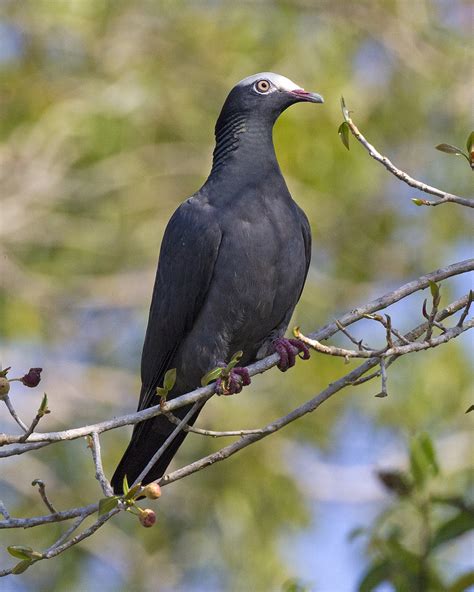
(147, 438)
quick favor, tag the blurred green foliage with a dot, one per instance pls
(106, 125)
(427, 514)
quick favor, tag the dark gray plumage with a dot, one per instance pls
(233, 262)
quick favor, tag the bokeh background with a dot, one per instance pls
(106, 125)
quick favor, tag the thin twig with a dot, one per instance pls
(49, 518)
(55, 550)
(212, 433)
(432, 316)
(383, 375)
(99, 469)
(355, 341)
(22, 448)
(465, 312)
(14, 414)
(389, 330)
(42, 491)
(32, 427)
(386, 322)
(83, 535)
(4, 511)
(64, 537)
(401, 350)
(415, 333)
(167, 442)
(444, 197)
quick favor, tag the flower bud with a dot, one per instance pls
(152, 491)
(147, 518)
(4, 387)
(33, 377)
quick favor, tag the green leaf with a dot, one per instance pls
(344, 109)
(376, 574)
(453, 528)
(43, 408)
(434, 289)
(343, 132)
(161, 392)
(20, 551)
(422, 459)
(22, 566)
(132, 491)
(107, 503)
(417, 465)
(125, 485)
(170, 379)
(470, 142)
(418, 202)
(449, 149)
(464, 582)
(235, 359)
(426, 443)
(211, 376)
(398, 553)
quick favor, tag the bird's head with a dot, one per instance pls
(245, 124)
(266, 95)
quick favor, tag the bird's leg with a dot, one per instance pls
(288, 349)
(232, 381)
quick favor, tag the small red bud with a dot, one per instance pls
(147, 518)
(33, 377)
(4, 387)
(152, 491)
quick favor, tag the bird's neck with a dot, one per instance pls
(245, 145)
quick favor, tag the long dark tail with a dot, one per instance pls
(147, 438)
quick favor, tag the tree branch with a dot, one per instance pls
(403, 345)
(202, 393)
(349, 379)
(444, 196)
(387, 352)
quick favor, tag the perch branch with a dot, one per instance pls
(203, 393)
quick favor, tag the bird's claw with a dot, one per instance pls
(288, 349)
(233, 381)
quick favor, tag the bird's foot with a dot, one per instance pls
(288, 349)
(230, 378)
(232, 381)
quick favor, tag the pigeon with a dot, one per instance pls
(232, 266)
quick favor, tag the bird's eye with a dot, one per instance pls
(262, 86)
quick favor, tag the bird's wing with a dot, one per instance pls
(188, 254)
(306, 231)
